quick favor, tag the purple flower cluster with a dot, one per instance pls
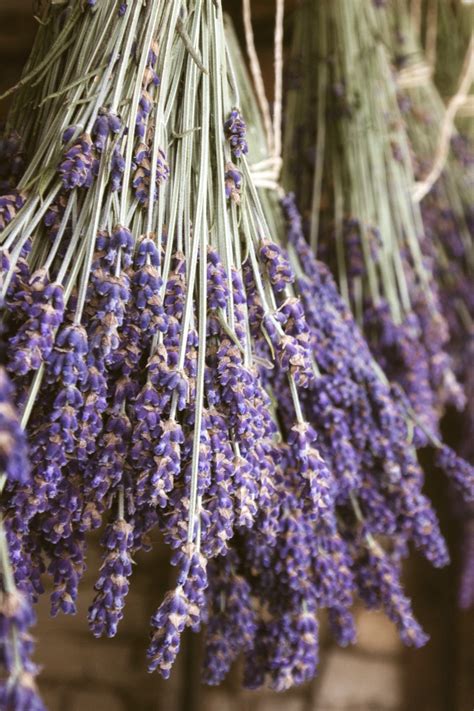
(233, 183)
(18, 691)
(235, 130)
(181, 608)
(10, 204)
(106, 125)
(13, 449)
(79, 164)
(43, 309)
(142, 174)
(112, 586)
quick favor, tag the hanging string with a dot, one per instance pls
(431, 33)
(417, 74)
(278, 105)
(256, 72)
(266, 173)
(416, 16)
(456, 102)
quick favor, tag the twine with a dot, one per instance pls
(267, 172)
(459, 99)
(431, 33)
(417, 74)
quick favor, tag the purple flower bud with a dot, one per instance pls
(21, 694)
(277, 265)
(112, 586)
(13, 452)
(34, 340)
(235, 131)
(10, 204)
(168, 623)
(142, 175)
(77, 168)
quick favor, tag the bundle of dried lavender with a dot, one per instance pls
(448, 216)
(129, 279)
(346, 139)
(447, 211)
(175, 366)
(347, 387)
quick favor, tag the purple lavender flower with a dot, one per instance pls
(218, 290)
(168, 623)
(106, 124)
(34, 340)
(150, 316)
(106, 470)
(194, 587)
(17, 689)
(112, 295)
(458, 470)
(66, 568)
(144, 110)
(78, 164)
(10, 204)
(20, 694)
(16, 617)
(379, 586)
(13, 451)
(142, 174)
(235, 131)
(117, 167)
(312, 467)
(276, 264)
(112, 586)
(233, 183)
(296, 653)
(231, 628)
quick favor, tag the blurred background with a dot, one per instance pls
(80, 672)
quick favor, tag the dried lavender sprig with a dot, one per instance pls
(17, 686)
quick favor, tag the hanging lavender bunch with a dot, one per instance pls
(361, 219)
(446, 209)
(129, 337)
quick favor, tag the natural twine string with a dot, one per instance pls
(256, 72)
(432, 33)
(417, 74)
(266, 173)
(459, 100)
(416, 15)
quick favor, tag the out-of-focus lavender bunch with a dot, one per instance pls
(179, 369)
(448, 219)
(447, 211)
(359, 215)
